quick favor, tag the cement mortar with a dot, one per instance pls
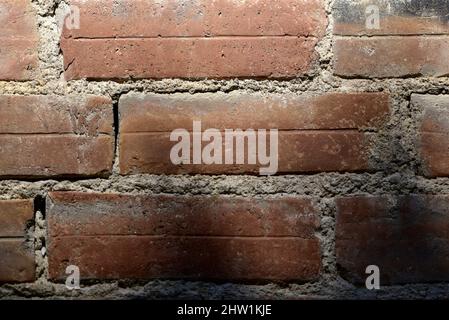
(394, 155)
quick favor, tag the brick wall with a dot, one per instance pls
(92, 91)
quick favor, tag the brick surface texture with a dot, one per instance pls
(72, 135)
(308, 141)
(401, 46)
(19, 57)
(348, 100)
(193, 39)
(17, 253)
(405, 236)
(183, 237)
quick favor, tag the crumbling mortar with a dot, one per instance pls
(401, 175)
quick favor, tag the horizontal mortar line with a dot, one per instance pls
(309, 131)
(192, 37)
(11, 238)
(168, 237)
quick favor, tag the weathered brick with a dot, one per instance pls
(388, 55)
(298, 152)
(307, 139)
(14, 215)
(18, 29)
(112, 236)
(391, 57)
(287, 57)
(50, 136)
(17, 261)
(17, 256)
(164, 113)
(397, 17)
(185, 39)
(201, 18)
(405, 236)
(434, 133)
(153, 215)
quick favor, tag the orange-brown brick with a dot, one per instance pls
(17, 256)
(193, 39)
(18, 31)
(50, 136)
(433, 144)
(405, 236)
(316, 133)
(411, 39)
(385, 57)
(113, 236)
(397, 17)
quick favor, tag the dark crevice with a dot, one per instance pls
(40, 205)
(116, 119)
(116, 124)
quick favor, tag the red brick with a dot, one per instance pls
(298, 152)
(14, 215)
(55, 156)
(307, 139)
(405, 236)
(285, 57)
(391, 57)
(18, 28)
(50, 136)
(17, 255)
(388, 55)
(396, 17)
(89, 115)
(434, 133)
(17, 261)
(149, 113)
(201, 39)
(204, 258)
(113, 236)
(186, 18)
(153, 215)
